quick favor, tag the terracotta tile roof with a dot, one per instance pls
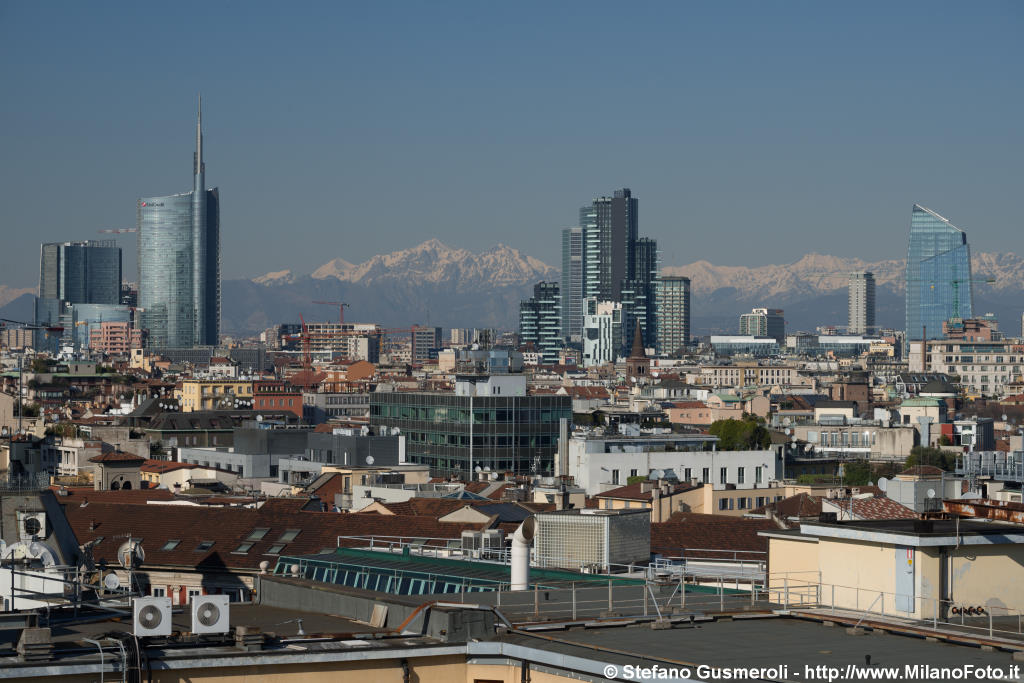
(869, 508)
(117, 456)
(87, 494)
(635, 492)
(228, 527)
(923, 471)
(692, 531)
(163, 466)
(588, 392)
(429, 507)
(689, 404)
(800, 505)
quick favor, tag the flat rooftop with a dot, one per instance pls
(754, 642)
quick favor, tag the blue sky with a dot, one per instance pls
(752, 132)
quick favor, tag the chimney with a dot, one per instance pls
(656, 504)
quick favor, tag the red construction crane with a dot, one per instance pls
(341, 308)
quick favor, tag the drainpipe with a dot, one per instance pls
(522, 539)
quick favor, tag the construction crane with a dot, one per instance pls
(341, 309)
(116, 231)
(955, 284)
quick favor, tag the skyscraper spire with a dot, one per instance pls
(198, 165)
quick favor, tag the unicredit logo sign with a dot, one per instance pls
(153, 204)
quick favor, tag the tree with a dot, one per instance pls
(857, 473)
(740, 435)
(935, 457)
(40, 365)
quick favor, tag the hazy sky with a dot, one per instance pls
(751, 132)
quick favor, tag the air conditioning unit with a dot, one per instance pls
(493, 539)
(32, 526)
(151, 616)
(472, 541)
(210, 614)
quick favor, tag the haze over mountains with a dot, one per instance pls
(435, 284)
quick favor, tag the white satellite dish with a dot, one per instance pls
(883, 483)
(931, 493)
(259, 418)
(111, 582)
(130, 554)
(655, 475)
(369, 460)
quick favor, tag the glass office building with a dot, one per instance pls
(506, 433)
(540, 321)
(179, 262)
(938, 275)
(573, 282)
(81, 272)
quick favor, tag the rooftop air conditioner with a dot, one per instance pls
(210, 614)
(32, 526)
(151, 616)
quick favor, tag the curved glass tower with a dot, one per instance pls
(938, 276)
(179, 262)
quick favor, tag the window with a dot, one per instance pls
(289, 535)
(615, 476)
(687, 474)
(158, 592)
(758, 476)
(256, 534)
(723, 503)
(275, 549)
(632, 473)
(194, 592)
(244, 547)
(723, 475)
(740, 474)
(204, 546)
(171, 544)
(705, 476)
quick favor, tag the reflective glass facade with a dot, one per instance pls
(572, 289)
(938, 275)
(81, 272)
(506, 433)
(179, 263)
(540, 321)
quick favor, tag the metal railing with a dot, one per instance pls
(805, 591)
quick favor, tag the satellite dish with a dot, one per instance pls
(788, 431)
(883, 483)
(130, 554)
(111, 582)
(931, 493)
(479, 469)
(259, 418)
(655, 475)
(369, 460)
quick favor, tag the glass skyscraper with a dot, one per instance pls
(81, 272)
(673, 317)
(938, 276)
(540, 321)
(179, 262)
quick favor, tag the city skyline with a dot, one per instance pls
(347, 157)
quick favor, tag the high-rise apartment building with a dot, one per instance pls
(540, 321)
(573, 283)
(81, 272)
(602, 331)
(764, 322)
(861, 303)
(673, 313)
(179, 262)
(938, 275)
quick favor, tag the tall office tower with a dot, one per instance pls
(540, 321)
(673, 313)
(572, 288)
(861, 303)
(81, 272)
(639, 294)
(615, 219)
(179, 261)
(764, 322)
(426, 342)
(938, 275)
